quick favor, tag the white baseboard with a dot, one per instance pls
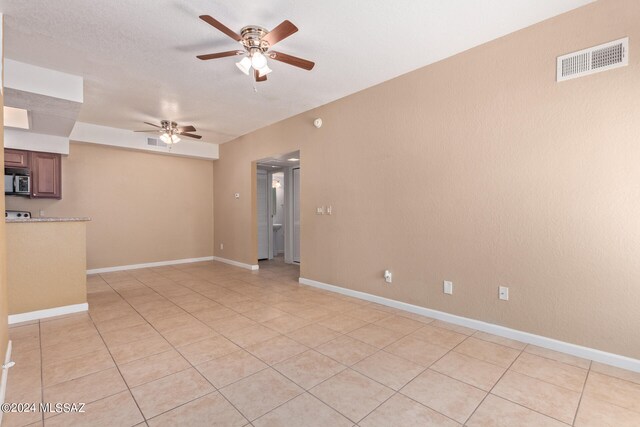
(514, 334)
(149, 264)
(49, 312)
(5, 375)
(236, 263)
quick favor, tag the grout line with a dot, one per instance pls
(41, 370)
(584, 385)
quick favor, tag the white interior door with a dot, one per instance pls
(263, 215)
(296, 215)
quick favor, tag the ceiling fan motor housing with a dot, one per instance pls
(252, 38)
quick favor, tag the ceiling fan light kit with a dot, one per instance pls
(257, 42)
(170, 132)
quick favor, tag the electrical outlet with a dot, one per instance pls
(388, 277)
(447, 287)
(221, 246)
(320, 210)
(236, 195)
(503, 293)
(329, 210)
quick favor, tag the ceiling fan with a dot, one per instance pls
(169, 131)
(257, 42)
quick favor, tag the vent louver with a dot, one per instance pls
(593, 60)
(155, 142)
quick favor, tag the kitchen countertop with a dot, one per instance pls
(48, 219)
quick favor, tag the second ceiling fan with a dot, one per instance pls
(257, 42)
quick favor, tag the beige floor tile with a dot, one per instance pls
(72, 348)
(313, 335)
(368, 314)
(170, 392)
(185, 320)
(401, 411)
(497, 412)
(124, 353)
(116, 410)
(151, 368)
(251, 335)
(560, 357)
(342, 323)
(375, 335)
(25, 377)
(64, 335)
(400, 324)
(133, 319)
(76, 367)
(87, 389)
(304, 410)
(596, 413)
(488, 351)
(551, 371)
(516, 345)
(439, 336)
(207, 349)
(422, 319)
(287, 323)
(451, 327)
(229, 324)
(346, 350)
(277, 349)
(388, 369)
(450, 397)
(264, 314)
(212, 410)
(612, 371)
(309, 368)
(477, 373)
(557, 402)
(416, 350)
(127, 335)
(183, 336)
(25, 338)
(260, 393)
(352, 394)
(231, 368)
(20, 419)
(613, 390)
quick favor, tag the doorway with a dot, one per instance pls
(278, 209)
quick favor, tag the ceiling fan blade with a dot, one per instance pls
(220, 54)
(221, 27)
(281, 32)
(186, 129)
(291, 60)
(256, 75)
(189, 135)
(151, 124)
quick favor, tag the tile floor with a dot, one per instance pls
(213, 345)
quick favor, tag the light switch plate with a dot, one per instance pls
(503, 293)
(447, 287)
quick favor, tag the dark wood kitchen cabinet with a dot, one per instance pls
(16, 158)
(46, 176)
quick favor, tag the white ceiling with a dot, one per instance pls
(138, 57)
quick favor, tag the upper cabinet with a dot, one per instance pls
(46, 176)
(16, 158)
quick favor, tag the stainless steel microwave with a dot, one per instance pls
(18, 184)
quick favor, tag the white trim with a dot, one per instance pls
(48, 312)
(5, 375)
(149, 264)
(236, 263)
(526, 337)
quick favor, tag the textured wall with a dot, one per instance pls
(144, 207)
(479, 169)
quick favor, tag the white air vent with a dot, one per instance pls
(155, 142)
(593, 60)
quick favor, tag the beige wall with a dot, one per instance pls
(46, 265)
(479, 169)
(144, 207)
